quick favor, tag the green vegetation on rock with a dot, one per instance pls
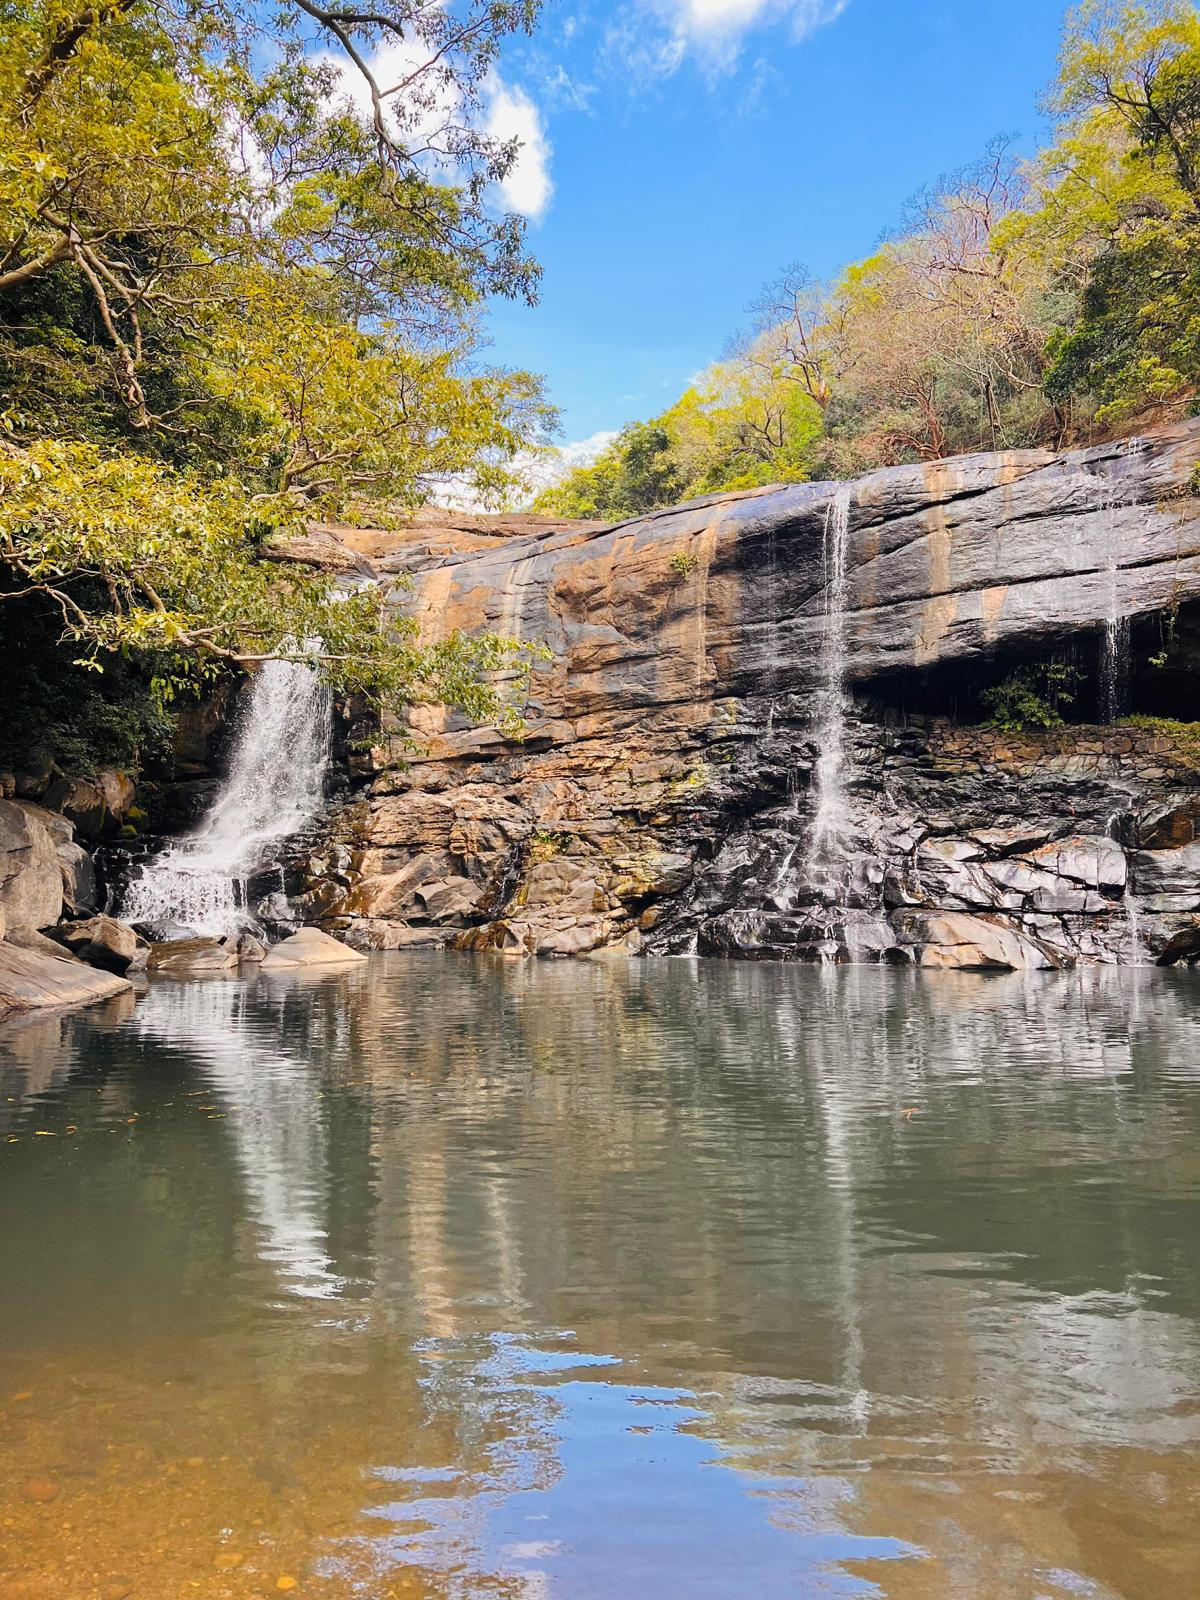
(1032, 696)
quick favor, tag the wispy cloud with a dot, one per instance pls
(654, 37)
(508, 113)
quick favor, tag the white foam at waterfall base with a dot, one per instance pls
(275, 787)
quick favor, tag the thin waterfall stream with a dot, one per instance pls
(1115, 651)
(275, 787)
(828, 844)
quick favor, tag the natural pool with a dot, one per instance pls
(665, 1280)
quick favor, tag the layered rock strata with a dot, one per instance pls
(662, 798)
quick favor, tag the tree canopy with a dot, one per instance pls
(242, 251)
(1043, 302)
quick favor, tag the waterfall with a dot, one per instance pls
(275, 787)
(1115, 658)
(1129, 905)
(829, 817)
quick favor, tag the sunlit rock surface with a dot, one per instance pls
(662, 797)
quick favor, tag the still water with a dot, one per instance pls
(668, 1280)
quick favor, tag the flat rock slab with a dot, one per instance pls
(311, 948)
(182, 957)
(30, 978)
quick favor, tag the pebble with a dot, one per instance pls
(40, 1490)
(116, 1591)
(287, 1583)
(226, 1560)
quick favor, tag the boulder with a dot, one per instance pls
(1167, 871)
(31, 887)
(118, 791)
(30, 978)
(102, 942)
(35, 780)
(249, 949)
(60, 828)
(183, 957)
(32, 939)
(954, 939)
(80, 889)
(82, 802)
(310, 948)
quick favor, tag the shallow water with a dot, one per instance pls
(652, 1280)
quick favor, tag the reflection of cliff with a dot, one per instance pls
(861, 1237)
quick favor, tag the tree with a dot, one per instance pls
(1117, 208)
(229, 299)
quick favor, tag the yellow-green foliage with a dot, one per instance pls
(1016, 304)
(226, 305)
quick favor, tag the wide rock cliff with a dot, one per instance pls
(663, 796)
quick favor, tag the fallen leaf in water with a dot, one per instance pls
(25, 1394)
(908, 1112)
(44, 1133)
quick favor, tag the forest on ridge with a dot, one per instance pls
(1046, 302)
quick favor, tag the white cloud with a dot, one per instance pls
(508, 113)
(536, 469)
(511, 114)
(712, 30)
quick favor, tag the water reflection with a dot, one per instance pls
(680, 1278)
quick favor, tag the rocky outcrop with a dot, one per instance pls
(31, 978)
(662, 796)
(31, 885)
(101, 941)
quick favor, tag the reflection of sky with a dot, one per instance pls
(590, 1477)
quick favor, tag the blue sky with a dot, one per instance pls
(679, 153)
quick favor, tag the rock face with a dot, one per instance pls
(31, 885)
(663, 795)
